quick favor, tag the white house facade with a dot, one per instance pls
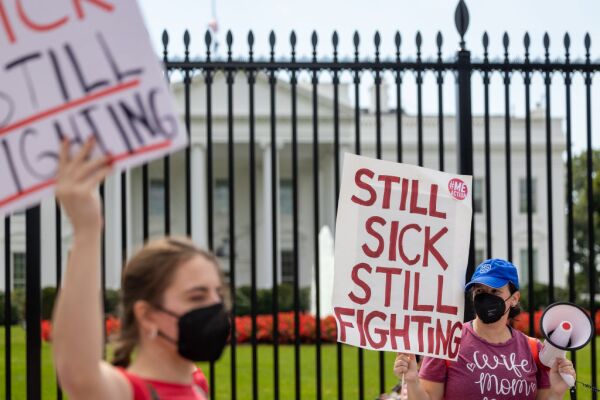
(326, 190)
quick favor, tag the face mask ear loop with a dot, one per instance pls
(160, 308)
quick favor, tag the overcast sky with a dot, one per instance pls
(387, 16)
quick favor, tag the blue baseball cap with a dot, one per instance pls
(495, 273)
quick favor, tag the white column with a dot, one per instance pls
(265, 269)
(198, 193)
(112, 228)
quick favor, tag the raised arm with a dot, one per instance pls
(77, 319)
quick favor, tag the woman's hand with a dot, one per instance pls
(406, 364)
(557, 383)
(77, 183)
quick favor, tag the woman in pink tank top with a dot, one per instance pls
(172, 305)
(494, 361)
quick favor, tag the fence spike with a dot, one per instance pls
(165, 39)
(293, 39)
(486, 42)
(293, 44)
(505, 43)
(272, 40)
(207, 38)
(587, 41)
(335, 41)
(547, 45)
(229, 41)
(186, 43)
(567, 43)
(207, 42)
(461, 20)
(398, 40)
(250, 44)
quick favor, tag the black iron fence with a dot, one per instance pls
(578, 208)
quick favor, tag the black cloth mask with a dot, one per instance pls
(489, 307)
(203, 332)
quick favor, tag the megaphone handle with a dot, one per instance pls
(568, 379)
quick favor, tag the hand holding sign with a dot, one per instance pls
(77, 183)
(405, 367)
(402, 240)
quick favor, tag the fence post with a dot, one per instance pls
(33, 302)
(464, 127)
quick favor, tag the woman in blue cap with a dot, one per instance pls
(494, 360)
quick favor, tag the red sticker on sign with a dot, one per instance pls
(458, 189)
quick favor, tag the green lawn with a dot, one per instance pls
(265, 371)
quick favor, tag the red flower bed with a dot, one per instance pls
(112, 326)
(285, 328)
(307, 328)
(243, 327)
(521, 322)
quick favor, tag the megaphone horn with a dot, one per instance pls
(566, 327)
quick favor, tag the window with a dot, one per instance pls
(287, 266)
(286, 197)
(478, 195)
(157, 198)
(221, 199)
(523, 268)
(523, 195)
(18, 270)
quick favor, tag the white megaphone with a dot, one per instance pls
(566, 327)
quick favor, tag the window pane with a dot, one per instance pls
(221, 199)
(285, 197)
(523, 267)
(287, 266)
(478, 195)
(19, 270)
(523, 195)
(157, 197)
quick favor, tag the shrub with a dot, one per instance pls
(111, 301)
(15, 318)
(48, 298)
(264, 299)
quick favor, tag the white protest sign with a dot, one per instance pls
(76, 68)
(401, 252)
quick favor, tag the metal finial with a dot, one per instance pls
(461, 20)
(587, 41)
(165, 39)
(293, 39)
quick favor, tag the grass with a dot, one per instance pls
(265, 371)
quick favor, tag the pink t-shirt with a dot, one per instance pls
(488, 371)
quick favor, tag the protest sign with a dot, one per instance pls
(73, 69)
(401, 252)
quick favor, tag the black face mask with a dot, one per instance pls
(203, 332)
(489, 307)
